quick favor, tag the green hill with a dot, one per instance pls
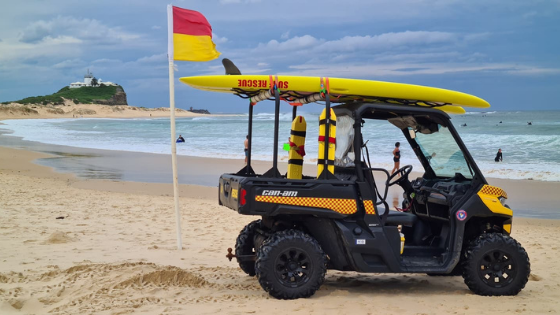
(108, 95)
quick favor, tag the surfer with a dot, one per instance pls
(463, 125)
(180, 139)
(396, 157)
(246, 143)
(498, 156)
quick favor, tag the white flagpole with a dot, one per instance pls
(172, 109)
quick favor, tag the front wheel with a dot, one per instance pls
(291, 265)
(496, 264)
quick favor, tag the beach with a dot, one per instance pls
(71, 110)
(77, 242)
(113, 251)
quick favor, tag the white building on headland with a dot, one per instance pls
(87, 81)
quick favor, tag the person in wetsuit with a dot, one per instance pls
(396, 157)
(180, 139)
(498, 156)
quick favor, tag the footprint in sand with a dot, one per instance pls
(58, 237)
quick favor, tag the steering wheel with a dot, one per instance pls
(403, 171)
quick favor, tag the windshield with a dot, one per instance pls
(443, 153)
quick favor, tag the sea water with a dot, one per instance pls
(529, 151)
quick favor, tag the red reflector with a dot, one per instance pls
(242, 200)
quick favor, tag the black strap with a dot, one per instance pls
(322, 162)
(295, 162)
(298, 133)
(324, 121)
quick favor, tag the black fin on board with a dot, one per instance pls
(231, 69)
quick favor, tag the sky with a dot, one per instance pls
(504, 51)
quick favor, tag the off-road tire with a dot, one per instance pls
(499, 257)
(291, 265)
(244, 245)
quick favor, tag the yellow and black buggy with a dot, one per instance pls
(456, 224)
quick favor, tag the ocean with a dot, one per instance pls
(529, 151)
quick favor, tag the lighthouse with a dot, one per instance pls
(88, 77)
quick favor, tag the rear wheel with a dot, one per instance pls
(245, 245)
(291, 265)
(496, 264)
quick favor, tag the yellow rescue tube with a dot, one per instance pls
(323, 140)
(297, 150)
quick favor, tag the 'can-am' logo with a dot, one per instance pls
(285, 193)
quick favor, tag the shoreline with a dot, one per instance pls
(528, 198)
(148, 172)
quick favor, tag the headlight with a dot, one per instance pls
(502, 200)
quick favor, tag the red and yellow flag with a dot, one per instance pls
(192, 36)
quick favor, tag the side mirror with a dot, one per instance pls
(412, 133)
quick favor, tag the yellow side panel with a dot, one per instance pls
(489, 196)
(507, 228)
(337, 87)
(295, 162)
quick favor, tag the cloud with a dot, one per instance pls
(158, 58)
(156, 27)
(78, 30)
(295, 43)
(356, 43)
(239, 1)
(69, 64)
(218, 39)
(285, 35)
(408, 69)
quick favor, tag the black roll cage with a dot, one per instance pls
(359, 111)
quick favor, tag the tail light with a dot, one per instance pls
(242, 194)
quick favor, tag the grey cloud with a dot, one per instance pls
(353, 43)
(69, 64)
(36, 32)
(87, 30)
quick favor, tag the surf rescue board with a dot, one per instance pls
(340, 90)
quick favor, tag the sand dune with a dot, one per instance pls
(71, 110)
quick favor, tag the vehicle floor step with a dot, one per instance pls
(418, 261)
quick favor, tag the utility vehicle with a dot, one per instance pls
(455, 223)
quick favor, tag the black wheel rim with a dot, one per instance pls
(293, 268)
(497, 268)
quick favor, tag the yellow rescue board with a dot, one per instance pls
(323, 139)
(341, 90)
(297, 149)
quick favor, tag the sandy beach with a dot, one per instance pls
(71, 110)
(103, 247)
(78, 244)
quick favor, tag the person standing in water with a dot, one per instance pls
(246, 143)
(396, 157)
(498, 156)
